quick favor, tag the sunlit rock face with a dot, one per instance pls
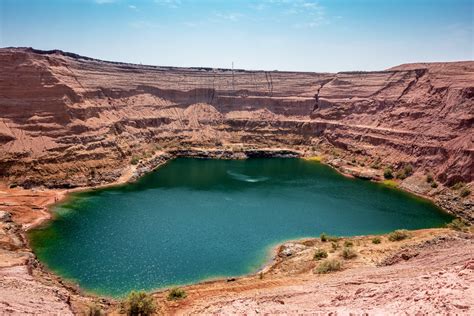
(68, 120)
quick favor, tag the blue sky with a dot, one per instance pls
(305, 35)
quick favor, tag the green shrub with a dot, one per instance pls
(320, 254)
(376, 240)
(139, 304)
(333, 238)
(398, 235)
(434, 185)
(323, 237)
(458, 224)
(348, 243)
(176, 294)
(388, 173)
(464, 192)
(135, 160)
(429, 178)
(335, 245)
(348, 253)
(405, 172)
(329, 265)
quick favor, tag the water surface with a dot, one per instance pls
(196, 219)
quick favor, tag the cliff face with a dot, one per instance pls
(71, 120)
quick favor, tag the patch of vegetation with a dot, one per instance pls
(139, 304)
(429, 178)
(348, 243)
(464, 192)
(388, 173)
(348, 253)
(135, 160)
(405, 172)
(95, 310)
(458, 224)
(399, 234)
(390, 183)
(434, 185)
(320, 254)
(376, 240)
(176, 294)
(329, 265)
(315, 158)
(335, 245)
(458, 186)
(323, 237)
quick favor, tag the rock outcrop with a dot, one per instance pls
(68, 120)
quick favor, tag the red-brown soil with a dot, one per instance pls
(68, 121)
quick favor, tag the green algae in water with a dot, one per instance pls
(197, 219)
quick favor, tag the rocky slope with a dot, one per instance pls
(68, 120)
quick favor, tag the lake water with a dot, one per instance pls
(193, 220)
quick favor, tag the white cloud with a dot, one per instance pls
(132, 7)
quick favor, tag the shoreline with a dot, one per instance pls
(132, 173)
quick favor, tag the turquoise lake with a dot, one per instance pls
(193, 219)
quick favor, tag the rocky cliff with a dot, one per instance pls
(68, 120)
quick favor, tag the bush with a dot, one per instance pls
(139, 303)
(376, 240)
(323, 237)
(458, 224)
(348, 253)
(176, 294)
(388, 173)
(405, 172)
(429, 178)
(348, 243)
(135, 160)
(434, 185)
(320, 254)
(464, 192)
(335, 245)
(329, 265)
(398, 235)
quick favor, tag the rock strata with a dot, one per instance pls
(68, 120)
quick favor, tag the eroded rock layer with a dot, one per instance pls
(67, 120)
